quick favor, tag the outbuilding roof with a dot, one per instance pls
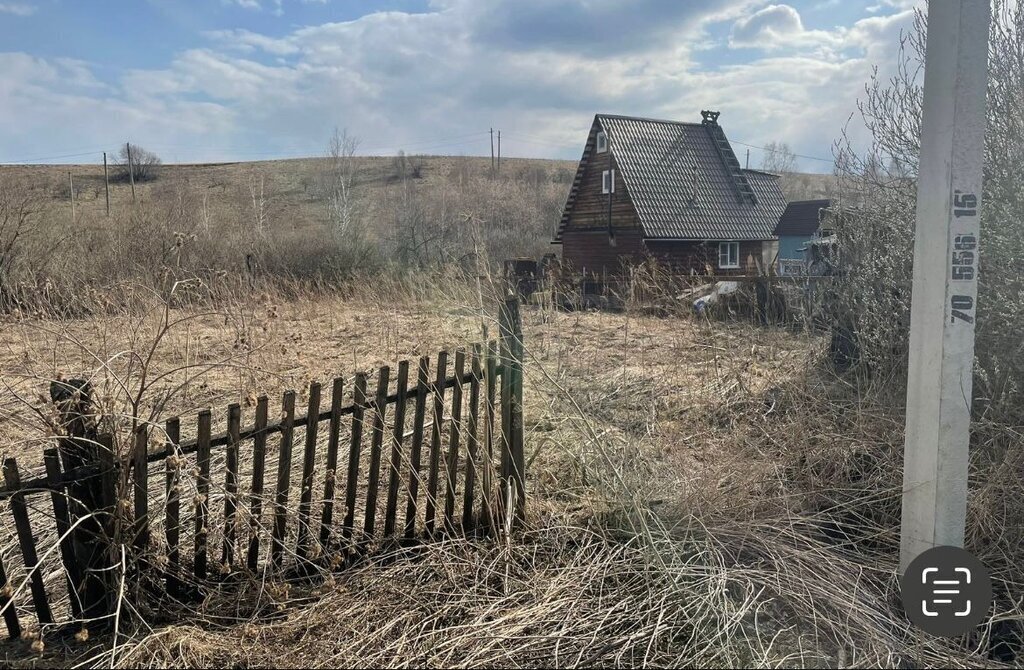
(802, 217)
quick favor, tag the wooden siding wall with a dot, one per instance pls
(591, 250)
(697, 257)
(591, 207)
(585, 243)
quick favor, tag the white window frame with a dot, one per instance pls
(602, 142)
(732, 261)
(608, 177)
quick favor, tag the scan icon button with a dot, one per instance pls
(946, 591)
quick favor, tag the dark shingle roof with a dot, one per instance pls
(801, 217)
(681, 185)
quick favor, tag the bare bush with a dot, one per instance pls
(144, 164)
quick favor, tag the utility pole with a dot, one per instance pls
(942, 315)
(131, 168)
(106, 182)
(499, 151)
(748, 159)
(492, 150)
(71, 183)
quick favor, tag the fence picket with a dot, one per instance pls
(231, 485)
(172, 481)
(140, 479)
(397, 437)
(454, 439)
(22, 524)
(491, 371)
(7, 604)
(62, 520)
(416, 450)
(259, 460)
(352, 481)
(331, 476)
(472, 441)
(284, 476)
(202, 494)
(435, 442)
(380, 404)
(302, 548)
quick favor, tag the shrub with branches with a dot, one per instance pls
(144, 164)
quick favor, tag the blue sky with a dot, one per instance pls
(208, 80)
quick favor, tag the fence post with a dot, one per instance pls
(88, 462)
(513, 470)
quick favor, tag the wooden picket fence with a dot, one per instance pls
(127, 518)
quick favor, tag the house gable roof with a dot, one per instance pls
(802, 217)
(685, 182)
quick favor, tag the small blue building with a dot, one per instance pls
(800, 222)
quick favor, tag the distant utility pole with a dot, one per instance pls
(942, 314)
(499, 151)
(748, 159)
(492, 149)
(71, 183)
(131, 168)
(106, 182)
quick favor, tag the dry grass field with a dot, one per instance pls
(682, 504)
(701, 492)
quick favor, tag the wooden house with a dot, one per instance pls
(669, 191)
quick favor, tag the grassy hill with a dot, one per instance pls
(313, 218)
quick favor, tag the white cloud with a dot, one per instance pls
(276, 5)
(778, 27)
(397, 79)
(17, 8)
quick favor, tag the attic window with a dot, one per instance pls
(608, 181)
(729, 255)
(602, 142)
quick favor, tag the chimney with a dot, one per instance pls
(708, 117)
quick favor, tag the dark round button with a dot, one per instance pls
(946, 591)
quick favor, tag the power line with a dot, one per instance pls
(52, 158)
(812, 158)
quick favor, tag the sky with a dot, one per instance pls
(221, 80)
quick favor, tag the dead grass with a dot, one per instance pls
(700, 494)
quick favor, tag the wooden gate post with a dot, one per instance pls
(87, 461)
(513, 461)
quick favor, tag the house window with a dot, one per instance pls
(602, 142)
(608, 181)
(729, 255)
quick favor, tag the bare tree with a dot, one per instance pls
(144, 164)
(339, 184)
(778, 157)
(257, 194)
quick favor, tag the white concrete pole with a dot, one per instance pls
(942, 315)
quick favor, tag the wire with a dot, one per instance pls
(812, 158)
(51, 158)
